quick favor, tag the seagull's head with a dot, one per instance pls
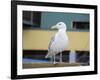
(59, 25)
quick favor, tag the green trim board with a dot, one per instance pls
(50, 18)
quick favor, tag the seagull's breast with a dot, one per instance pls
(61, 42)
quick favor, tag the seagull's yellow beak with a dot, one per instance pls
(54, 27)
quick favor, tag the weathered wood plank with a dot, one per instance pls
(44, 65)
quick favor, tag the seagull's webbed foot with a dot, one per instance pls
(53, 59)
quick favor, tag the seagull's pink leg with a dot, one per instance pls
(60, 57)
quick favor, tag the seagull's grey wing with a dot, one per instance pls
(52, 40)
(49, 47)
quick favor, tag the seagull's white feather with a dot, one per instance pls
(58, 42)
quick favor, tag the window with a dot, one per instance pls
(81, 25)
(83, 57)
(31, 19)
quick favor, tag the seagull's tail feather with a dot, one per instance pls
(48, 55)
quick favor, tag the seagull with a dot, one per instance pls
(58, 43)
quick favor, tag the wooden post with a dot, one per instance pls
(72, 56)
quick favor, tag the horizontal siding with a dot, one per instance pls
(39, 40)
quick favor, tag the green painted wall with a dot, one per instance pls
(49, 19)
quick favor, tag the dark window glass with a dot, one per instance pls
(31, 19)
(81, 25)
(83, 57)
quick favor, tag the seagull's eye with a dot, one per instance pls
(59, 24)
